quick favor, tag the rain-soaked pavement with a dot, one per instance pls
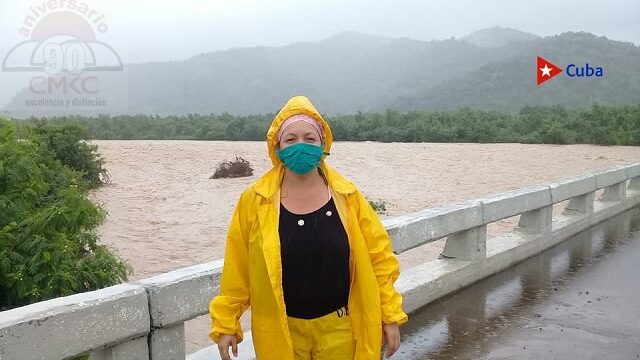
(578, 300)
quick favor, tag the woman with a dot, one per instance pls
(306, 250)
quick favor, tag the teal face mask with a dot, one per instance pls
(301, 157)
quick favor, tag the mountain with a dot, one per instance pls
(509, 84)
(352, 71)
(498, 36)
(344, 73)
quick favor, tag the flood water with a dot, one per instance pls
(164, 213)
(578, 300)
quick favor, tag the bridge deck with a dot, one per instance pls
(578, 300)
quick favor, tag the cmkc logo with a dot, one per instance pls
(72, 68)
(547, 70)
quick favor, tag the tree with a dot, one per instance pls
(48, 241)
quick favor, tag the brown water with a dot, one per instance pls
(578, 300)
(165, 213)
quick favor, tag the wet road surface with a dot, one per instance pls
(578, 300)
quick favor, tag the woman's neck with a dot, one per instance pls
(297, 181)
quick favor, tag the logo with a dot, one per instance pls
(547, 70)
(69, 68)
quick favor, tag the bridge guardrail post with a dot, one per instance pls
(536, 221)
(467, 244)
(615, 192)
(582, 203)
(136, 349)
(167, 343)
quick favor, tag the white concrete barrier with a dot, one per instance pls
(145, 319)
(71, 325)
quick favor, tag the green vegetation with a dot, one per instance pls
(380, 206)
(68, 145)
(605, 125)
(48, 242)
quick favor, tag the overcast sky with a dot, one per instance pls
(159, 30)
(147, 30)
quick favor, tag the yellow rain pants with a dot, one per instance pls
(329, 337)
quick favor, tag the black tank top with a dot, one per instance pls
(315, 261)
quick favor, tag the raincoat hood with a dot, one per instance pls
(296, 105)
(269, 183)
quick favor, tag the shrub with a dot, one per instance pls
(67, 143)
(48, 241)
(379, 206)
(233, 169)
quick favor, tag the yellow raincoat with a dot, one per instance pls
(252, 272)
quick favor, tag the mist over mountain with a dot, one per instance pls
(350, 71)
(498, 36)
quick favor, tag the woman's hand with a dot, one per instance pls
(392, 334)
(224, 342)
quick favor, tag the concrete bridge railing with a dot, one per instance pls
(145, 319)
